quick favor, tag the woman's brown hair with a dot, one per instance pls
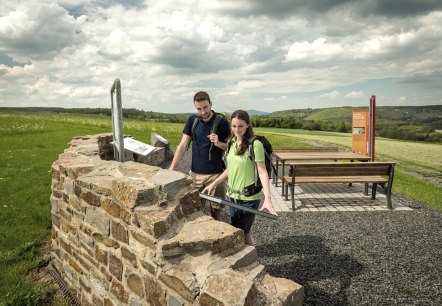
(248, 135)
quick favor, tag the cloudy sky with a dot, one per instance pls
(248, 54)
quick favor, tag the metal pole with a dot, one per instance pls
(370, 128)
(373, 127)
(253, 211)
(117, 121)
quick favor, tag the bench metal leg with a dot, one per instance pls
(292, 191)
(373, 191)
(282, 176)
(366, 189)
(277, 173)
(287, 192)
(388, 194)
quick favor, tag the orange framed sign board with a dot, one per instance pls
(360, 132)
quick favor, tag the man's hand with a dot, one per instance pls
(214, 138)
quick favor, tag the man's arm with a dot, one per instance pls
(224, 136)
(222, 145)
(179, 151)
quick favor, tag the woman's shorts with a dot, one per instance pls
(240, 218)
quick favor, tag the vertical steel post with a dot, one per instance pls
(372, 125)
(117, 121)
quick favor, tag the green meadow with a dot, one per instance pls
(31, 142)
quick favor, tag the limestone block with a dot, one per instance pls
(135, 284)
(54, 204)
(240, 291)
(245, 257)
(287, 291)
(100, 184)
(129, 256)
(98, 220)
(98, 286)
(118, 290)
(101, 255)
(90, 197)
(88, 149)
(191, 203)
(137, 170)
(154, 222)
(204, 234)
(115, 266)
(75, 167)
(183, 282)
(172, 182)
(74, 202)
(158, 141)
(119, 232)
(145, 240)
(155, 294)
(154, 158)
(104, 239)
(132, 192)
(149, 266)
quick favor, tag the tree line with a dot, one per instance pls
(410, 123)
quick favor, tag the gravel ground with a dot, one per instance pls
(355, 258)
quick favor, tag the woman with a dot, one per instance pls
(242, 172)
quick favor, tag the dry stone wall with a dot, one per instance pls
(134, 234)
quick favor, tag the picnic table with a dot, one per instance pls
(285, 157)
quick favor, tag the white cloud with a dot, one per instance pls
(251, 54)
(36, 31)
(331, 95)
(317, 51)
(354, 94)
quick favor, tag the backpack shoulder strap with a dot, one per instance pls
(252, 157)
(192, 131)
(251, 150)
(216, 122)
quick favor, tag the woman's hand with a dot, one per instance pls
(208, 189)
(269, 206)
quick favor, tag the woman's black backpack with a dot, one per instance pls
(268, 161)
(267, 152)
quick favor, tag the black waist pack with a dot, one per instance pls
(251, 190)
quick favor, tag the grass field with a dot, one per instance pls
(31, 142)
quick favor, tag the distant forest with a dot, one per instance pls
(419, 123)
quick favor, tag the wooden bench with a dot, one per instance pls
(348, 172)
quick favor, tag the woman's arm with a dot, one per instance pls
(265, 181)
(215, 183)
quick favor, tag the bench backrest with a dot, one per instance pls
(343, 169)
(306, 149)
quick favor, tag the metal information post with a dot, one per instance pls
(221, 201)
(372, 110)
(117, 121)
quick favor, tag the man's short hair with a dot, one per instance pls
(201, 96)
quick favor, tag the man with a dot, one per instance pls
(207, 148)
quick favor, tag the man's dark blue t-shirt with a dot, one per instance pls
(201, 145)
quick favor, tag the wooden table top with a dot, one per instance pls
(285, 156)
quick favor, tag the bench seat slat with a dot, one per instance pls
(336, 179)
(334, 171)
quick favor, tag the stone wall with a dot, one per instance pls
(134, 234)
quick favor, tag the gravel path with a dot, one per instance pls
(355, 258)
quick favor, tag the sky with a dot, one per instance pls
(247, 54)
